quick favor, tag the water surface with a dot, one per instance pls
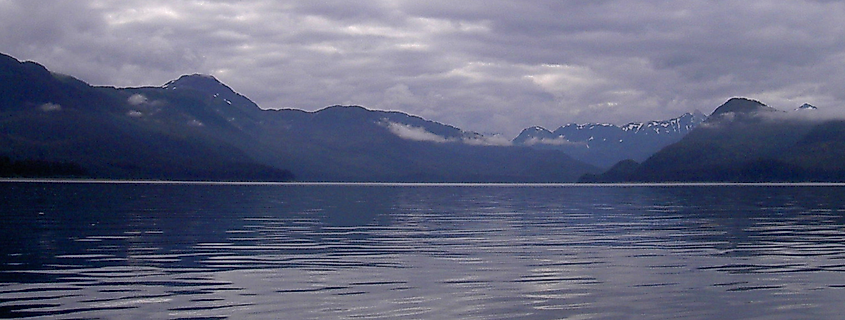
(312, 251)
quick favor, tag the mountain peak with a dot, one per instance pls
(536, 129)
(194, 81)
(210, 86)
(741, 106)
(806, 106)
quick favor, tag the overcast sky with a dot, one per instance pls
(486, 66)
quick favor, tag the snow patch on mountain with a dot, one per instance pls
(806, 107)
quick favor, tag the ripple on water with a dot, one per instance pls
(425, 252)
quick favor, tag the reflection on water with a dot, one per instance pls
(165, 251)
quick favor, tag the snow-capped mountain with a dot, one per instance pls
(679, 125)
(605, 144)
(806, 106)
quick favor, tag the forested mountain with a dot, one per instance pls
(195, 127)
(747, 141)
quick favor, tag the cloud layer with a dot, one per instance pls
(486, 66)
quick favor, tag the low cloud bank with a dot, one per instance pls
(494, 141)
(775, 116)
(409, 132)
(413, 133)
(821, 114)
(50, 107)
(559, 141)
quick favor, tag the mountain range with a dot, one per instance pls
(745, 140)
(605, 144)
(197, 128)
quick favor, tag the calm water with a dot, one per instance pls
(187, 251)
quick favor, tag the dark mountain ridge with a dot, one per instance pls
(56, 118)
(197, 128)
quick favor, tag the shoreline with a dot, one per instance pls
(419, 184)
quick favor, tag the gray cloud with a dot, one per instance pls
(487, 66)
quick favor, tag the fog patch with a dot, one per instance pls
(806, 114)
(409, 132)
(559, 141)
(414, 133)
(50, 107)
(492, 141)
(809, 115)
(709, 125)
(137, 99)
(135, 114)
(819, 114)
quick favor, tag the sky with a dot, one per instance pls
(491, 66)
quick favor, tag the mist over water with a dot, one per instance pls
(192, 251)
